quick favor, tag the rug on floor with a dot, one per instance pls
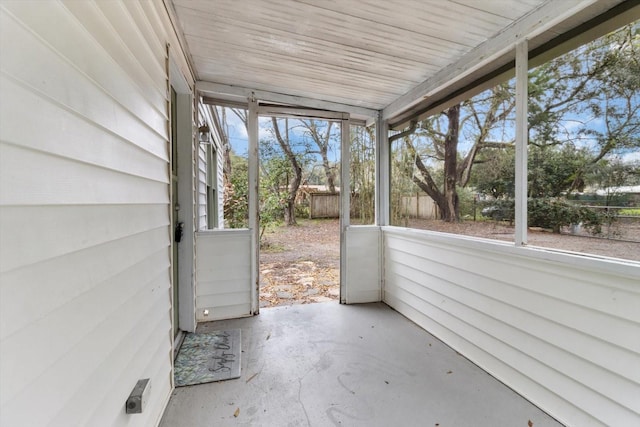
(205, 358)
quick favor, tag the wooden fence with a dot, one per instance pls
(324, 205)
(419, 206)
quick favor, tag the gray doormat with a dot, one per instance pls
(205, 358)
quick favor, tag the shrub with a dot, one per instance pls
(466, 203)
(550, 213)
(499, 210)
(302, 210)
(557, 213)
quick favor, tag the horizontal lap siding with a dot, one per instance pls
(201, 177)
(220, 191)
(202, 188)
(203, 169)
(223, 274)
(84, 207)
(565, 336)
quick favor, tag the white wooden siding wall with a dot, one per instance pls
(219, 139)
(202, 188)
(84, 202)
(363, 273)
(220, 192)
(201, 178)
(223, 272)
(201, 183)
(560, 329)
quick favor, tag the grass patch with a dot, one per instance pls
(630, 212)
(272, 248)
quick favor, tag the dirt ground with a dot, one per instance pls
(622, 240)
(301, 264)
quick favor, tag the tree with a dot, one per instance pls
(226, 145)
(235, 176)
(236, 202)
(274, 170)
(551, 171)
(402, 166)
(447, 145)
(362, 173)
(589, 98)
(480, 119)
(296, 168)
(495, 174)
(322, 138)
(556, 170)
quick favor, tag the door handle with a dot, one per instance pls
(178, 232)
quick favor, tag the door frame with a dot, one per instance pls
(254, 112)
(185, 151)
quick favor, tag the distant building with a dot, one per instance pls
(631, 191)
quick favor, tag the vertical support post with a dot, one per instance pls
(522, 139)
(254, 218)
(382, 171)
(345, 200)
(383, 188)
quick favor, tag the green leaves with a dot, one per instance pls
(556, 213)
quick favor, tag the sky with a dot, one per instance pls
(239, 138)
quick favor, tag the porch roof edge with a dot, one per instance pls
(498, 48)
(236, 93)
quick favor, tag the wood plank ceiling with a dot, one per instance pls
(365, 53)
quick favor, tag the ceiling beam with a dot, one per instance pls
(540, 20)
(237, 93)
(279, 111)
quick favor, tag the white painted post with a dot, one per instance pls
(382, 171)
(345, 201)
(254, 218)
(383, 188)
(522, 134)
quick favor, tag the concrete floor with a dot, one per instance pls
(336, 365)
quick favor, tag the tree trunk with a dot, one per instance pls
(451, 212)
(447, 200)
(426, 184)
(290, 206)
(325, 161)
(328, 173)
(226, 147)
(290, 202)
